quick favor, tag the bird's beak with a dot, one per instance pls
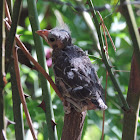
(43, 33)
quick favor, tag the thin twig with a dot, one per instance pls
(7, 13)
(104, 27)
(2, 51)
(105, 102)
(2, 66)
(110, 39)
(121, 71)
(103, 124)
(37, 65)
(22, 97)
(3, 55)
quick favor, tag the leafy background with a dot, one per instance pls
(51, 14)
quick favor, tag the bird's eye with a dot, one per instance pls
(52, 39)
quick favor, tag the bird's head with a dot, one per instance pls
(56, 38)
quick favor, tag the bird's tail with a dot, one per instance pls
(99, 103)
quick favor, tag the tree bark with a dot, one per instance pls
(73, 125)
(133, 99)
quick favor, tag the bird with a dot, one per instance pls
(75, 75)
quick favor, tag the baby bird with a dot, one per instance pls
(75, 76)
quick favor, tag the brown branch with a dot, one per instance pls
(22, 97)
(37, 65)
(73, 125)
(7, 13)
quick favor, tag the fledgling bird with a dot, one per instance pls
(75, 75)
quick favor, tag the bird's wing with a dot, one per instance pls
(78, 76)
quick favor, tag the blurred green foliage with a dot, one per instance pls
(50, 15)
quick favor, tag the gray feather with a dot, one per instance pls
(73, 68)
